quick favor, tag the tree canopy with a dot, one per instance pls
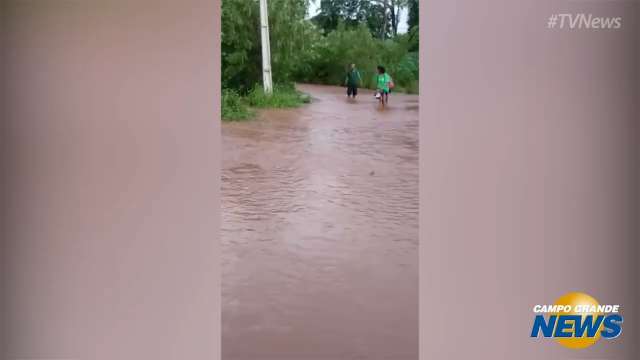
(382, 17)
(318, 50)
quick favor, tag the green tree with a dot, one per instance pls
(381, 16)
(377, 18)
(413, 23)
(414, 13)
(301, 50)
(333, 12)
(291, 38)
(240, 43)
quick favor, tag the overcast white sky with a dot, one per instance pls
(314, 7)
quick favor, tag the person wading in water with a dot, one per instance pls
(384, 84)
(352, 81)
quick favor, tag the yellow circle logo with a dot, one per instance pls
(578, 300)
(577, 321)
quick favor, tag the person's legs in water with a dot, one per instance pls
(381, 98)
(353, 77)
(352, 91)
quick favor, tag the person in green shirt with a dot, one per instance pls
(352, 81)
(383, 85)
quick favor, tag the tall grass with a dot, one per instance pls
(234, 107)
(237, 107)
(283, 96)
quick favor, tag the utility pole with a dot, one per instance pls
(266, 49)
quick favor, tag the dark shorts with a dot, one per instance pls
(352, 90)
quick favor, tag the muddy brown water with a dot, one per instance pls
(320, 230)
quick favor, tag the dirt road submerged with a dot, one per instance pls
(320, 231)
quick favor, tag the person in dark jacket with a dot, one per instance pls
(352, 81)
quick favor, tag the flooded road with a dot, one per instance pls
(320, 231)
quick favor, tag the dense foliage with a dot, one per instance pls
(414, 13)
(317, 50)
(291, 41)
(382, 17)
(344, 46)
(234, 107)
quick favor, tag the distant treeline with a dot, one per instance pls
(318, 50)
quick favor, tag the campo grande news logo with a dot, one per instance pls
(577, 321)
